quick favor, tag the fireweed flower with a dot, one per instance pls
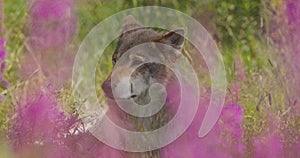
(52, 24)
(51, 29)
(292, 37)
(269, 143)
(42, 130)
(269, 146)
(39, 121)
(225, 139)
(293, 20)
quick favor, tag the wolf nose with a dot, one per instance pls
(106, 87)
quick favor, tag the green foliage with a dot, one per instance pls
(15, 12)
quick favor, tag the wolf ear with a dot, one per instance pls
(130, 24)
(174, 38)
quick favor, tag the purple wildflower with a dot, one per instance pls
(42, 130)
(52, 24)
(39, 121)
(225, 139)
(269, 143)
(291, 49)
(268, 147)
(51, 29)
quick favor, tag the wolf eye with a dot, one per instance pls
(114, 61)
(133, 96)
(136, 62)
(136, 59)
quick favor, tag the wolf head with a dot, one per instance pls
(133, 34)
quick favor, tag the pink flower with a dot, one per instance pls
(268, 147)
(292, 48)
(225, 139)
(39, 121)
(42, 130)
(292, 12)
(268, 144)
(52, 24)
